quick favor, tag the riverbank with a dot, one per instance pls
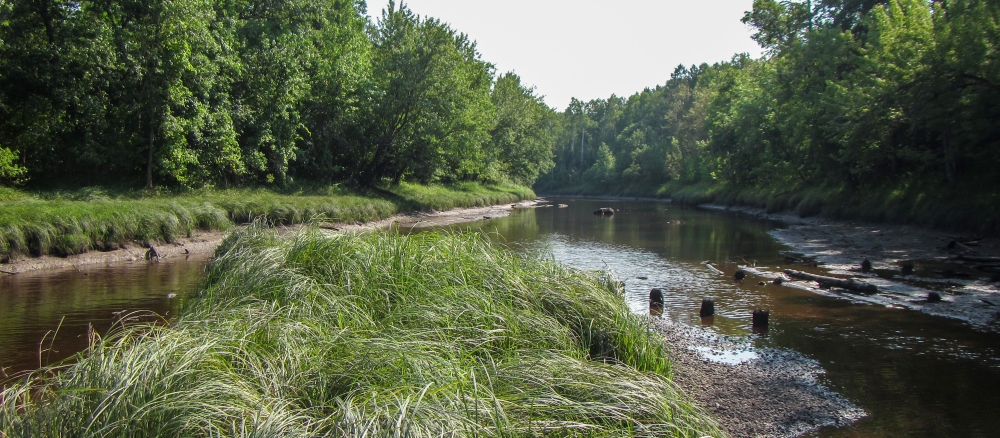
(68, 224)
(371, 333)
(754, 393)
(952, 208)
(205, 243)
(839, 247)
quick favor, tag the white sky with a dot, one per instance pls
(590, 49)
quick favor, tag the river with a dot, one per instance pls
(916, 375)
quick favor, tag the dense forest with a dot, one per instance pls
(899, 98)
(195, 93)
(868, 103)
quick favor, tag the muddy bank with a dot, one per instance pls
(752, 392)
(205, 242)
(966, 288)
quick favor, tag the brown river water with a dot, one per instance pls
(916, 375)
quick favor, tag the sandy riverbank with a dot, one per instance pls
(205, 242)
(840, 246)
(754, 393)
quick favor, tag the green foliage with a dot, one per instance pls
(378, 334)
(10, 171)
(863, 96)
(192, 93)
(522, 139)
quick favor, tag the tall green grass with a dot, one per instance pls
(373, 335)
(67, 223)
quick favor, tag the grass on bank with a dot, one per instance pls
(374, 335)
(956, 208)
(67, 223)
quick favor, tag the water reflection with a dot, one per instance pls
(62, 307)
(917, 375)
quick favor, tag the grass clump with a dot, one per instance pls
(67, 223)
(379, 334)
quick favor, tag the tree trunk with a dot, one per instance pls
(149, 157)
(949, 157)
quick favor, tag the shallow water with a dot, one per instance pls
(46, 316)
(916, 375)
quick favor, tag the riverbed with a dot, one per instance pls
(892, 371)
(911, 373)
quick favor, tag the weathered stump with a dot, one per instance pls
(707, 308)
(152, 253)
(759, 318)
(907, 268)
(656, 296)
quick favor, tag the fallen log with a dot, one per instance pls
(981, 259)
(713, 268)
(761, 273)
(850, 284)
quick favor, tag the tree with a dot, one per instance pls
(428, 113)
(10, 171)
(521, 136)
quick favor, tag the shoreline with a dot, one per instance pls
(840, 246)
(753, 393)
(205, 242)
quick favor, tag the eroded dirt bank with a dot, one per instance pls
(206, 242)
(967, 288)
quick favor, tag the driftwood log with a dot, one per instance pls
(713, 268)
(850, 284)
(981, 259)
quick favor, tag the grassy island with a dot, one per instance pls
(378, 334)
(67, 223)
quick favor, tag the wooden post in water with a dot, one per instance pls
(760, 318)
(707, 308)
(656, 296)
(656, 301)
(907, 268)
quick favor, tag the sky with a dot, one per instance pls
(592, 49)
